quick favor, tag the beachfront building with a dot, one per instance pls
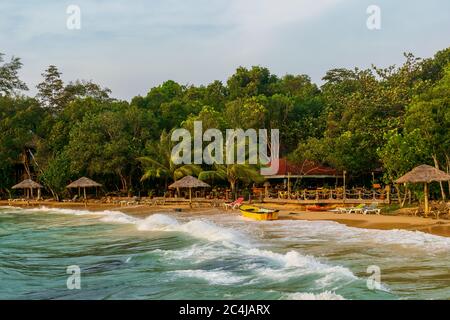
(306, 175)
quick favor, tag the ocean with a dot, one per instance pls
(176, 255)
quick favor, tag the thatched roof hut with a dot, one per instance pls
(83, 183)
(29, 185)
(189, 182)
(424, 174)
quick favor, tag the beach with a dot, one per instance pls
(439, 227)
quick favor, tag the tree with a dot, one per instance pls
(103, 144)
(430, 114)
(20, 127)
(252, 82)
(233, 173)
(401, 153)
(51, 90)
(9, 78)
(158, 163)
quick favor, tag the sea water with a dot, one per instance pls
(215, 255)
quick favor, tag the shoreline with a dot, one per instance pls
(439, 227)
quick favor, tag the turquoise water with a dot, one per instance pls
(214, 256)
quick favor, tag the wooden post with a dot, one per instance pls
(388, 194)
(289, 185)
(344, 194)
(84, 189)
(425, 191)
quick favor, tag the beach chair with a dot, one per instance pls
(341, 210)
(358, 209)
(74, 199)
(235, 204)
(373, 208)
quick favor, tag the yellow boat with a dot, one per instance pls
(258, 213)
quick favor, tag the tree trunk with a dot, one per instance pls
(448, 169)
(123, 181)
(25, 164)
(436, 164)
(425, 191)
(404, 198)
(397, 188)
(233, 188)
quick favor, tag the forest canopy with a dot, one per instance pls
(359, 120)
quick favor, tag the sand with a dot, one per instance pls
(438, 227)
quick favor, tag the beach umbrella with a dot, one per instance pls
(28, 184)
(424, 174)
(189, 182)
(83, 183)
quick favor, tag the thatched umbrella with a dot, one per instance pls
(189, 182)
(424, 174)
(83, 183)
(29, 184)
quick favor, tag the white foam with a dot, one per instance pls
(303, 263)
(326, 295)
(340, 233)
(117, 217)
(197, 228)
(216, 276)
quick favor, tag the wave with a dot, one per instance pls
(294, 264)
(215, 277)
(340, 233)
(197, 228)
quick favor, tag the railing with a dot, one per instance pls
(337, 194)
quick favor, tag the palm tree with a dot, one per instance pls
(159, 163)
(233, 173)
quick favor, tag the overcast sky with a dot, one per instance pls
(131, 46)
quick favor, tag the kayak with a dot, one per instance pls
(319, 208)
(256, 213)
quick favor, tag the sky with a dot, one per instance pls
(131, 46)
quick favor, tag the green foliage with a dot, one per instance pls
(159, 164)
(358, 120)
(9, 76)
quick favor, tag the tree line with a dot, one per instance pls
(358, 120)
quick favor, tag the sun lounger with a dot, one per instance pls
(373, 208)
(234, 204)
(358, 209)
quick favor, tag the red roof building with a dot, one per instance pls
(307, 169)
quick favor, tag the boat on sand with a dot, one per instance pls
(257, 213)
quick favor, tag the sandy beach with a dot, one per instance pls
(438, 227)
